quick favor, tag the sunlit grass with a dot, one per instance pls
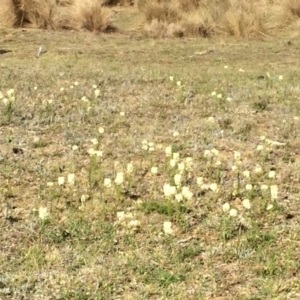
(128, 178)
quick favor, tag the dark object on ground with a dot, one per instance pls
(17, 150)
(2, 51)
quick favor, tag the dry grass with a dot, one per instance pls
(174, 18)
(117, 2)
(7, 14)
(67, 14)
(254, 19)
(198, 23)
(101, 242)
(85, 15)
(188, 5)
(65, 2)
(163, 29)
(165, 11)
(37, 13)
(284, 16)
(244, 19)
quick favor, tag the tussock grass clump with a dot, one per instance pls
(56, 14)
(291, 7)
(204, 18)
(163, 11)
(86, 15)
(198, 23)
(238, 18)
(35, 13)
(244, 19)
(284, 15)
(7, 14)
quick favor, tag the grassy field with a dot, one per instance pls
(139, 168)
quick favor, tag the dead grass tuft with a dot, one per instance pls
(56, 14)
(65, 2)
(163, 29)
(163, 11)
(7, 14)
(203, 18)
(117, 2)
(199, 23)
(284, 15)
(292, 7)
(244, 19)
(170, 18)
(89, 15)
(189, 5)
(35, 13)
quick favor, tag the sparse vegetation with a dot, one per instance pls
(141, 168)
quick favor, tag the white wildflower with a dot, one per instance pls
(97, 93)
(187, 193)
(249, 187)
(260, 148)
(274, 192)
(237, 155)
(246, 203)
(246, 174)
(176, 156)
(189, 163)
(199, 181)
(168, 151)
(179, 197)
(107, 182)
(207, 154)
(61, 180)
(151, 147)
(181, 167)
(213, 187)
(226, 207)
(43, 213)
(272, 174)
(258, 169)
(71, 179)
(134, 224)
(172, 163)
(145, 145)
(214, 151)
(154, 170)
(169, 190)
(119, 178)
(167, 227)
(177, 179)
(94, 141)
(129, 169)
(233, 212)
